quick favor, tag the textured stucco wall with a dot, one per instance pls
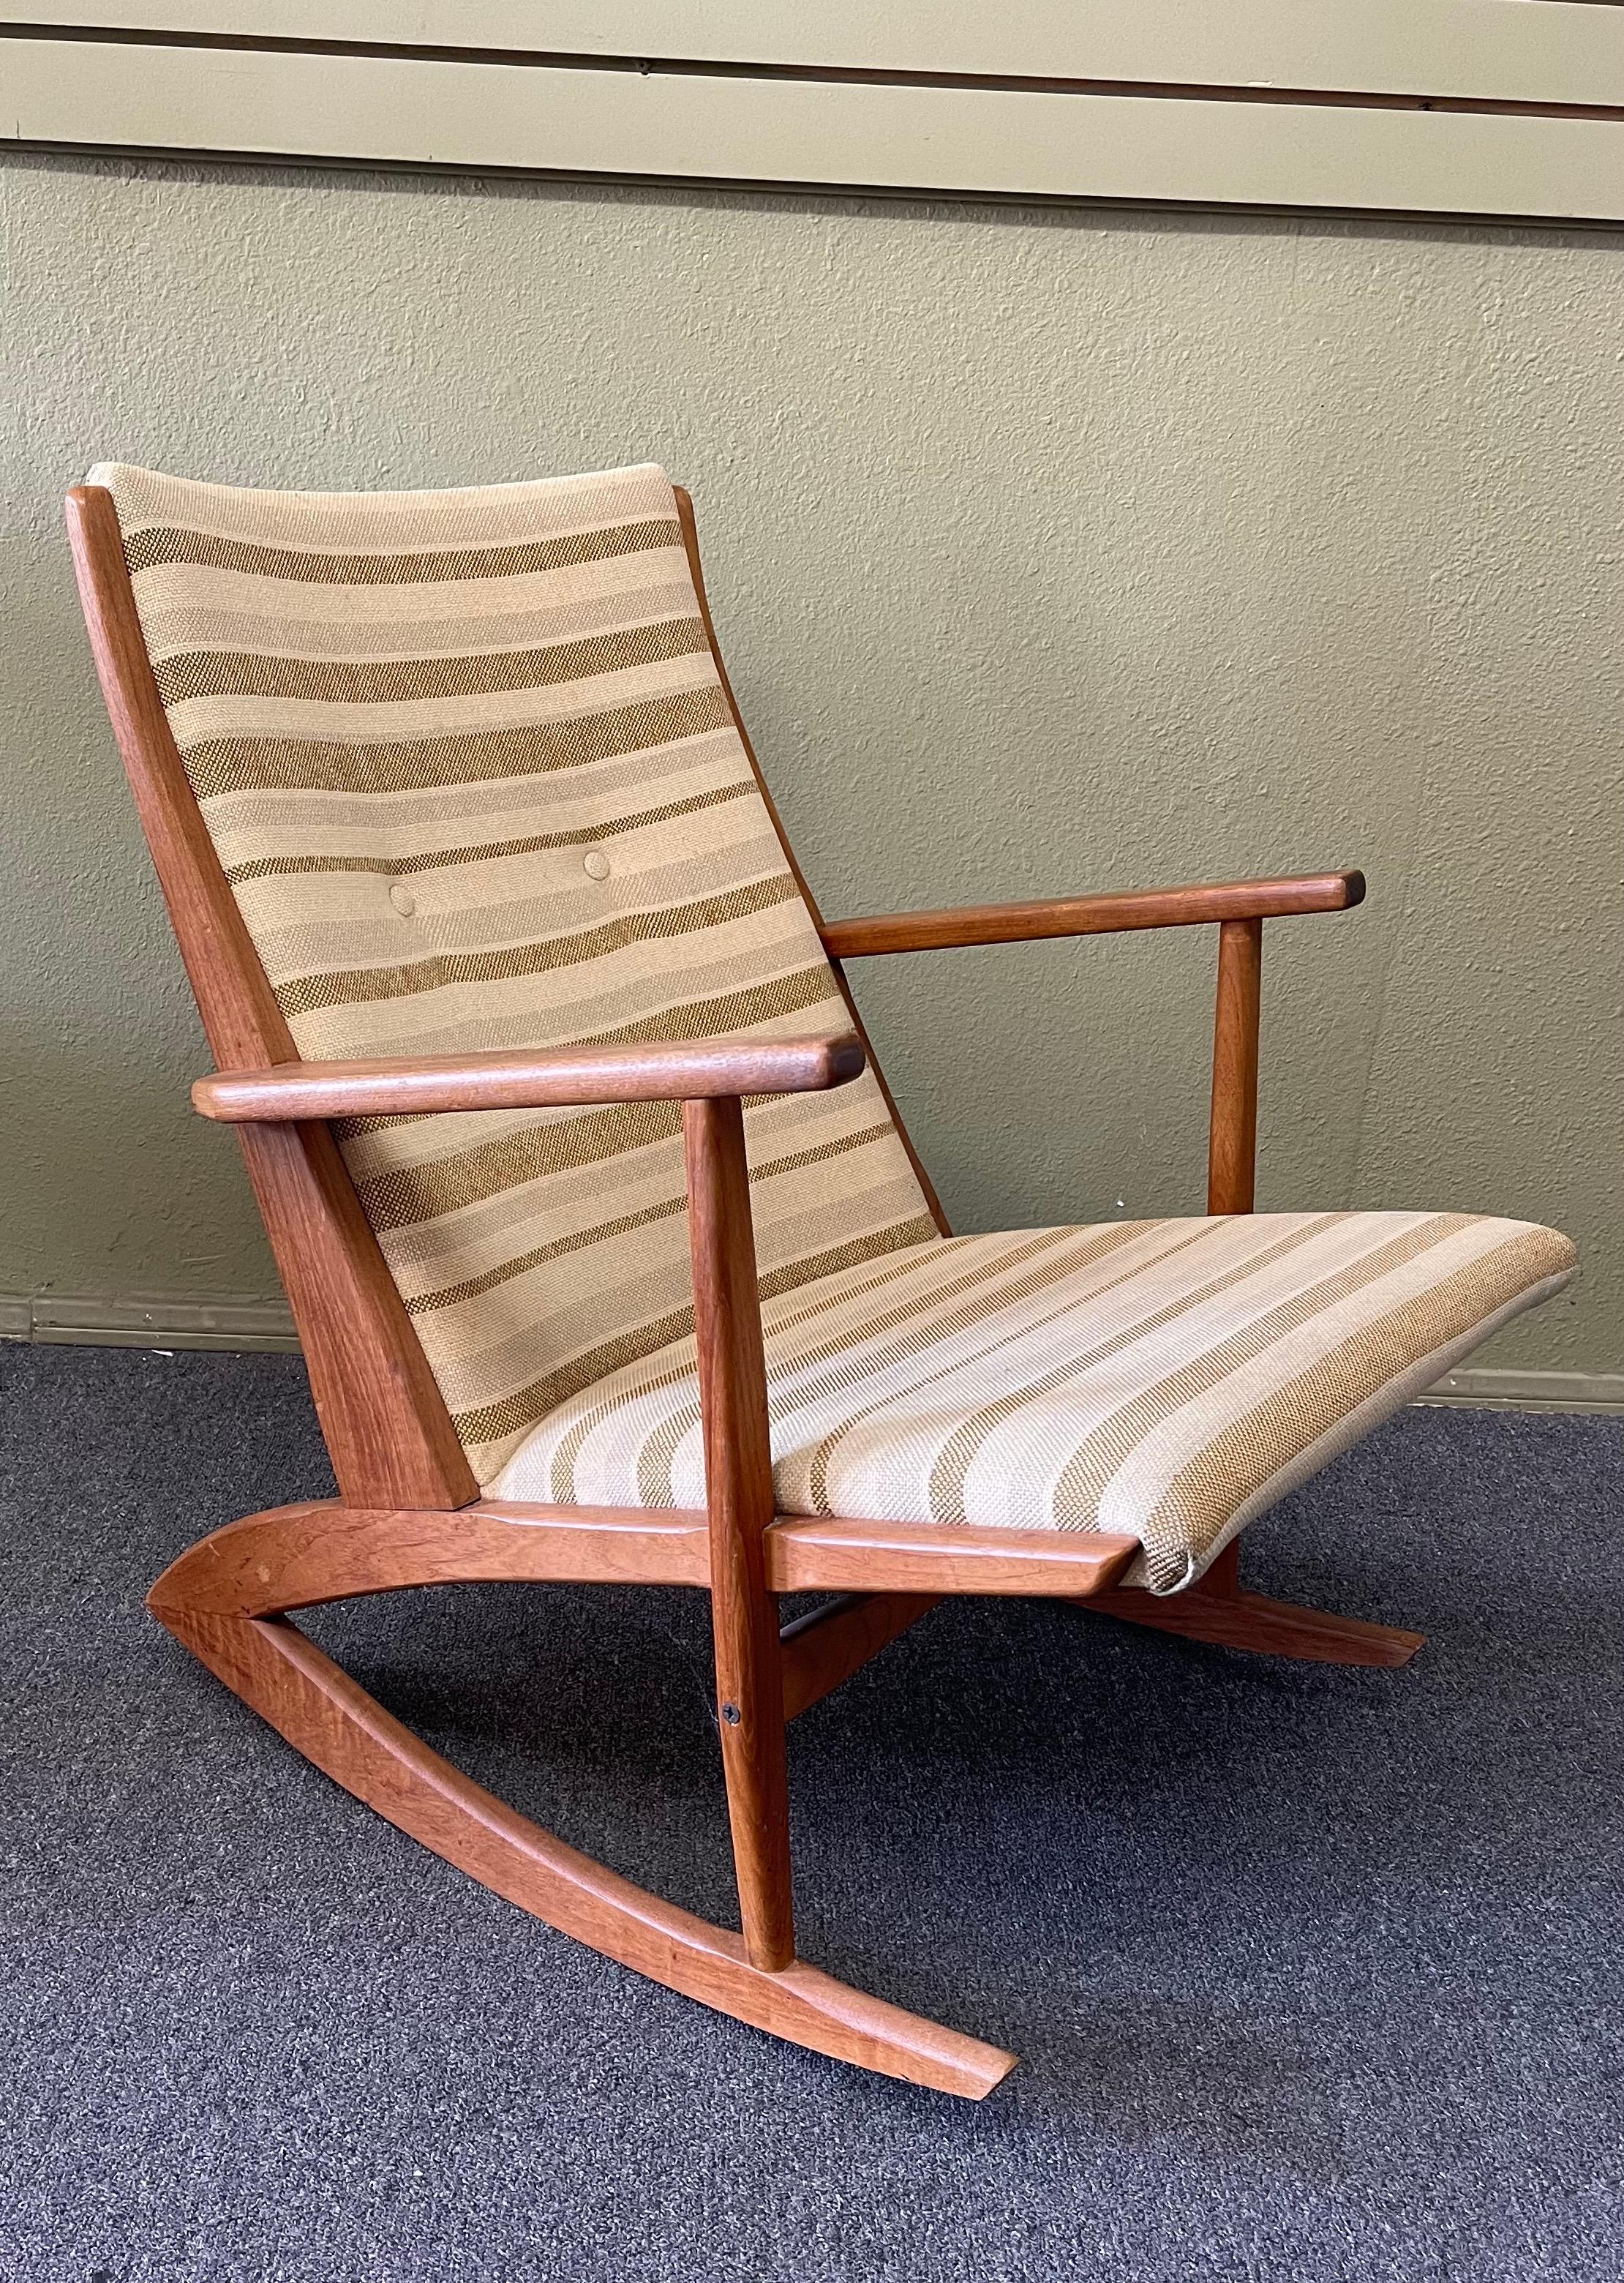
(1050, 551)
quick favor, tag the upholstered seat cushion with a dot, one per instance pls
(1170, 1379)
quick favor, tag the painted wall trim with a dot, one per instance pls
(1561, 52)
(1531, 1390)
(109, 1320)
(265, 1326)
(1291, 137)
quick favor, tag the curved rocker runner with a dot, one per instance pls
(611, 1259)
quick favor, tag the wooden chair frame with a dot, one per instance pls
(408, 1511)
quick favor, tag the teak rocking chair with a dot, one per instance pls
(503, 959)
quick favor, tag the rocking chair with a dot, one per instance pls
(609, 1253)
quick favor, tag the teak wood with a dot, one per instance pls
(828, 1644)
(1112, 914)
(387, 1430)
(1218, 1608)
(1231, 1149)
(733, 1393)
(675, 1070)
(324, 1715)
(408, 1514)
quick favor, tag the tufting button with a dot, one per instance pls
(595, 864)
(403, 900)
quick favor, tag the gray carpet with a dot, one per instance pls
(1314, 1972)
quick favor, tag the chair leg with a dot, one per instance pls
(333, 1722)
(749, 1690)
(733, 1390)
(1219, 1609)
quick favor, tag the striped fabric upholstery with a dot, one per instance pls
(472, 774)
(468, 764)
(1168, 1379)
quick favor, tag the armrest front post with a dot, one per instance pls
(1231, 1145)
(733, 1391)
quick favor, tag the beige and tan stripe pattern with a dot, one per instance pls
(1169, 1379)
(420, 726)
(469, 767)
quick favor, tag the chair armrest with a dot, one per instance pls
(677, 1069)
(1110, 915)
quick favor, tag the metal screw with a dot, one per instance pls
(732, 1715)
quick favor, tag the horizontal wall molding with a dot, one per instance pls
(1508, 109)
(1496, 50)
(265, 1326)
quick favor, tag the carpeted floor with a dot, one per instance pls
(1314, 1974)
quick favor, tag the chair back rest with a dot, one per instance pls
(475, 780)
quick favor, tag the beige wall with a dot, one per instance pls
(1051, 551)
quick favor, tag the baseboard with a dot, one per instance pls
(265, 1327)
(1530, 1391)
(97, 1320)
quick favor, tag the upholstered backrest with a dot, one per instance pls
(470, 769)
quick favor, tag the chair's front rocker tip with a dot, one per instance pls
(870, 2033)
